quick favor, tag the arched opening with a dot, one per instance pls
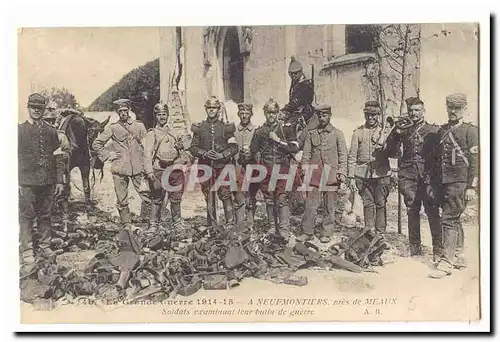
(233, 66)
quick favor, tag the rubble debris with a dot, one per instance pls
(137, 265)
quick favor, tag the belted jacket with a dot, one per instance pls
(458, 154)
(164, 147)
(326, 146)
(267, 151)
(364, 160)
(214, 135)
(127, 139)
(418, 142)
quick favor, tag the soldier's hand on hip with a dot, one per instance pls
(470, 195)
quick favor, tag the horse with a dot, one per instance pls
(81, 132)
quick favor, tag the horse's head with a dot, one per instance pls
(94, 128)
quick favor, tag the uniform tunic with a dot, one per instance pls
(323, 147)
(414, 168)
(370, 167)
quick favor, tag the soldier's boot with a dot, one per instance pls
(175, 208)
(145, 213)
(445, 265)
(284, 224)
(125, 217)
(154, 217)
(240, 210)
(228, 214)
(44, 230)
(270, 217)
(460, 262)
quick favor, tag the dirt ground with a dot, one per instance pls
(400, 290)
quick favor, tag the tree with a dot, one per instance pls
(62, 97)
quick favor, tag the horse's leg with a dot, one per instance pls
(85, 172)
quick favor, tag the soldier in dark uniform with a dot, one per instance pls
(301, 95)
(272, 144)
(40, 178)
(457, 170)
(369, 169)
(214, 145)
(414, 165)
(325, 148)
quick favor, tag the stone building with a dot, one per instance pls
(249, 64)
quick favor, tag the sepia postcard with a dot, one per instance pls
(215, 174)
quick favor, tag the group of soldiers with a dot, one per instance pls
(437, 167)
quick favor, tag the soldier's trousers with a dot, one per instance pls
(374, 192)
(35, 202)
(415, 194)
(245, 201)
(276, 196)
(313, 201)
(224, 193)
(121, 183)
(453, 205)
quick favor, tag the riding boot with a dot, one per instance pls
(175, 208)
(284, 225)
(445, 264)
(145, 211)
(270, 218)
(250, 214)
(240, 210)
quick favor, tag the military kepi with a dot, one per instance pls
(456, 100)
(122, 103)
(37, 100)
(372, 107)
(323, 109)
(412, 101)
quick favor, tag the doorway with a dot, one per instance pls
(233, 66)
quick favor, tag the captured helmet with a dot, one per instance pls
(213, 102)
(271, 106)
(161, 107)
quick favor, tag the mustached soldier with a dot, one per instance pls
(272, 144)
(126, 157)
(245, 202)
(325, 148)
(215, 146)
(41, 173)
(457, 171)
(163, 148)
(414, 164)
(369, 168)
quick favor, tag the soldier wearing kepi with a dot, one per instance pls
(40, 175)
(457, 169)
(413, 172)
(325, 147)
(164, 149)
(369, 169)
(126, 156)
(272, 144)
(245, 202)
(215, 146)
